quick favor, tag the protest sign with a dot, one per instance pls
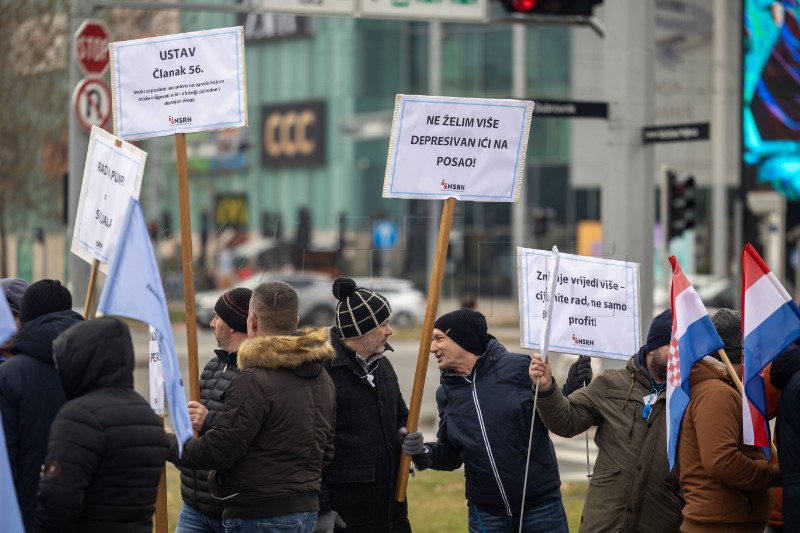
(595, 304)
(464, 148)
(179, 83)
(156, 375)
(111, 177)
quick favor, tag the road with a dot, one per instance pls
(571, 453)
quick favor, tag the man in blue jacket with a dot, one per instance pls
(485, 411)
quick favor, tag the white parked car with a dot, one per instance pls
(408, 303)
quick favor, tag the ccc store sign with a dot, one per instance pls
(293, 135)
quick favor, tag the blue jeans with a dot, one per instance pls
(193, 521)
(547, 518)
(288, 523)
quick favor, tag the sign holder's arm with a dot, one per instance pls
(425, 340)
(188, 266)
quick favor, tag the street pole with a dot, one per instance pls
(77, 269)
(434, 89)
(519, 209)
(720, 124)
(628, 190)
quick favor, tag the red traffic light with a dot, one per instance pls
(523, 5)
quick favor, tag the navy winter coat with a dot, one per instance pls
(785, 375)
(30, 396)
(484, 424)
(360, 483)
(107, 448)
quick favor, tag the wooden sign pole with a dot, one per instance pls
(425, 341)
(188, 266)
(87, 307)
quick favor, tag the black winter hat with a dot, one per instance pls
(233, 306)
(43, 297)
(14, 288)
(729, 326)
(467, 328)
(359, 310)
(660, 332)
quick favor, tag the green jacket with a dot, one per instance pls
(630, 490)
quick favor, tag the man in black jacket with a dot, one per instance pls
(275, 431)
(107, 448)
(785, 376)
(485, 413)
(358, 487)
(30, 390)
(201, 512)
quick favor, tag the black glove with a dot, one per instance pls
(580, 373)
(424, 459)
(326, 522)
(411, 442)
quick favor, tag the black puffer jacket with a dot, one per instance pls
(275, 431)
(107, 447)
(30, 396)
(360, 483)
(785, 375)
(214, 382)
(484, 424)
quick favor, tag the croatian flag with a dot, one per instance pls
(693, 337)
(770, 323)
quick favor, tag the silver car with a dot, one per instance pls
(317, 303)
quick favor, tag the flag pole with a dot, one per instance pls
(162, 524)
(431, 307)
(90, 290)
(188, 265)
(738, 382)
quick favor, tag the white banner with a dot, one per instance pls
(467, 148)
(179, 83)
(112, 175)
(595, 304)
(156, 375)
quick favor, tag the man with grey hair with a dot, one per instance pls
(275, 431)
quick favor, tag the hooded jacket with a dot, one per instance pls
(360, 483)
(484, 424)
(107, 448)
(30, 396)
(214, 382)
(726, 484)
(275, 431)
(630, 489)
(785, 375)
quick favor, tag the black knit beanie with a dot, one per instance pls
(359, 310)
(729, 326)
(43, 297)
(660, 332)
(467, 328)
(232, 307)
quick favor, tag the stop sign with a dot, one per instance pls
(91, 47)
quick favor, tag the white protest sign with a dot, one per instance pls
(179, 83)
(156, 375)
(595, 304)
(466, 148)
(112, 175)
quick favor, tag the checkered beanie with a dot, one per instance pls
(729, 326)
(359, 310)
(232, 307)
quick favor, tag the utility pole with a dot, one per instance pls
(720, 124)
(628, 191)
(434, 89)
(519, 210)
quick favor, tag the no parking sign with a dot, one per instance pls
(91, 102)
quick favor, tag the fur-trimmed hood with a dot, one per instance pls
(308, 345)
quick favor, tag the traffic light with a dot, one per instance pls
(551, 7)
(680, 205)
